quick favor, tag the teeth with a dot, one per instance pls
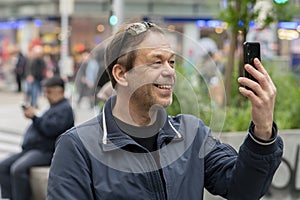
(164, 86)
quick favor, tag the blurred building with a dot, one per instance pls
(29, 22)
(26, 21)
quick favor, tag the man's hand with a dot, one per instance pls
(29, 112)
(262, 98)
(30, 78)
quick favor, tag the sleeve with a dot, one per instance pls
(261, 141)
(246, 175)
(69, 176)
(55, 123)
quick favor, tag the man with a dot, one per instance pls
(20, 69)
(91, 77)
(133, 150)
(35, 73)
(39, 141)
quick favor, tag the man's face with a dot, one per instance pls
(53, 94)
(152, 77)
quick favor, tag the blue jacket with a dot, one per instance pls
(91, 161)
(44, 130)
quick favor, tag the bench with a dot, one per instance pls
(39, 181)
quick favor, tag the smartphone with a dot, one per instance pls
(24, 107)
(251, 51)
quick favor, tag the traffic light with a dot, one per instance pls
(113, 19)
(280, 1)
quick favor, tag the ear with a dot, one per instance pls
(119, 73)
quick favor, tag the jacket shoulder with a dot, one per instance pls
(88, 132)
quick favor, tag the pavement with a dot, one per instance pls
(13, 124)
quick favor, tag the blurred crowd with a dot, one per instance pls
(24, 73)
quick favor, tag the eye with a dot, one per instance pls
(172, 63)
(156, 64)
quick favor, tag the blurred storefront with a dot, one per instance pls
(39, 23)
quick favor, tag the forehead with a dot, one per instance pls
(155, 44)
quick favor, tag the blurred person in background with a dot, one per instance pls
(103, 88)
(104, 93)
(91, 76)
(38, 142)
(35, 73)
(80, 76)
(91, 73)
(52, 68)
(20, 68)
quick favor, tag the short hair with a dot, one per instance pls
(124, 43)
(54, 81)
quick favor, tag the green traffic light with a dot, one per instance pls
(113, 20)
(280, 1)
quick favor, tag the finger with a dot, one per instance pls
(265, 80)
(258, 70)
(249, 94)
(253, 71)
(262, 70)
(259, 66)
(253, 85)
(257, 94)
(261, 75)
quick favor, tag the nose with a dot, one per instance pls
(168, 70)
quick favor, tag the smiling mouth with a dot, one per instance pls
(163, 86)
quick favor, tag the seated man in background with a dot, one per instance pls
(38, 143)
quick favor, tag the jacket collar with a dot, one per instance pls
(113, 138)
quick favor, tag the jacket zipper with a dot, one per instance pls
(155, 177)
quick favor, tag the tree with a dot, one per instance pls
(238, 15)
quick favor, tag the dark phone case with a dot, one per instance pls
(251, 51)
(23, 106)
